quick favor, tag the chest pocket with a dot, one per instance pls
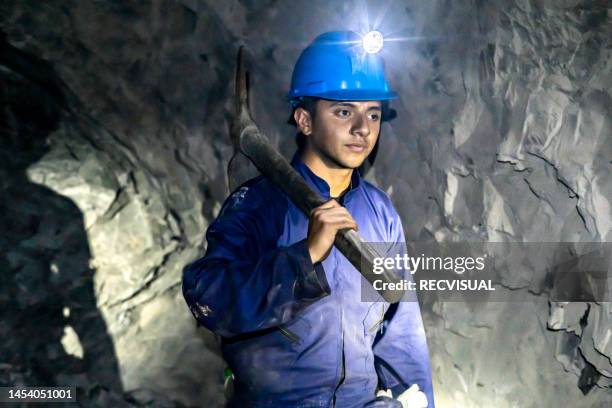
(296, 332)
(374, 320)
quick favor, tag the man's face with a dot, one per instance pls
(343, 133)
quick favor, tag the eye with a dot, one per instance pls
(374, 117)
(343, 113)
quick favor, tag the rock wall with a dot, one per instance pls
(503, 133)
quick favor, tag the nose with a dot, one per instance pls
(361, 126)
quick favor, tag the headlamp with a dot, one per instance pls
(373, 42)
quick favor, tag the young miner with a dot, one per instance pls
(285, 302)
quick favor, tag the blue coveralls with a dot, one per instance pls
(297, 334)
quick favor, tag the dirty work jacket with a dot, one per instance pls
(297, 334)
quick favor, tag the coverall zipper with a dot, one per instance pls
(342, 362)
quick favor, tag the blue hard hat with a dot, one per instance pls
(337, 67)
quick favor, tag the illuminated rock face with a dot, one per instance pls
(503, 133)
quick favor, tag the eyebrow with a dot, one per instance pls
(352, 105)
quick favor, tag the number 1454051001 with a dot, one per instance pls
(37, 394)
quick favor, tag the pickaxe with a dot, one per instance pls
(256, 146)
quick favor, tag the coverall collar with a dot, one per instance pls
(317, 182)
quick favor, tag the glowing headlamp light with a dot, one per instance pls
(373, 42)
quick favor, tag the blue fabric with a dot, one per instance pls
(335, 66)
(297, 334)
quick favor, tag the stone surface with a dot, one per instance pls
(503, 133)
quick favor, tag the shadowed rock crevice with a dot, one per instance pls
(53, 332)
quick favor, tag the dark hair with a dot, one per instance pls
(309, 104)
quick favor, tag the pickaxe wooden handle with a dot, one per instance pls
(253, 144)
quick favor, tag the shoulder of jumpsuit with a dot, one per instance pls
(383, 209)
(256, 203)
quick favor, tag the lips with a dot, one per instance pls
(357, 147)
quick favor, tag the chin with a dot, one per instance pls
(347, 161)
(352, 164)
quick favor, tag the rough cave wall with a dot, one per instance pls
(503, 133)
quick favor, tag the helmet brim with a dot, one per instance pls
(349, 95)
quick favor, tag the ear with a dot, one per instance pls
(303, 120)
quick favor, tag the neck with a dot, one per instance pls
(338, 178)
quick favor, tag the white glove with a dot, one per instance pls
(413, 397)
(382, 393)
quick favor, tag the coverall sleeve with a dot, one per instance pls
(245, 282)
(401, 354)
